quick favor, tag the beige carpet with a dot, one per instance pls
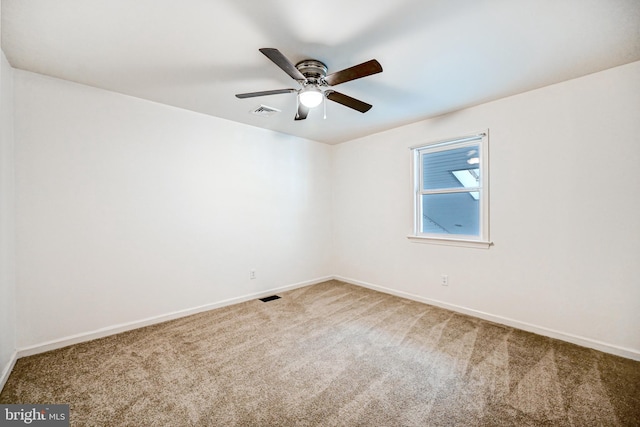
(331, 354)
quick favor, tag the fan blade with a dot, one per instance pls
(357, 71)
(281, 61)
(348, 101)
(302, 112)
(264, 93)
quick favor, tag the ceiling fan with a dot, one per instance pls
(315, 84)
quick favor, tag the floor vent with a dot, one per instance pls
(265, 111)
(271, 298)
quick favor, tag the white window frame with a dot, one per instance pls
(480, 241)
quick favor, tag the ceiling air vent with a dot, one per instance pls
(265, 111)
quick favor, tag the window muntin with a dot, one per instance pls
(451, 189)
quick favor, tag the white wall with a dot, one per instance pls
(127, 209)
(7, 223)
(565, 197)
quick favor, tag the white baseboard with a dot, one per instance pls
(6, 371)
(115, 329)
(540, 330)
(123, 327)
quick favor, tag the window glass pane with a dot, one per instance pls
(452, 213)
(438, 167)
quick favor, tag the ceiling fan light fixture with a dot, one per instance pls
(311, 96)
(311, 75)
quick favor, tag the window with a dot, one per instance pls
(451, 194)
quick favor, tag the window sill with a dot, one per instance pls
(480, 244)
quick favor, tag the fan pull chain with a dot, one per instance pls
(324, 106)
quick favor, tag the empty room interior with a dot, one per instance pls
(441, 200)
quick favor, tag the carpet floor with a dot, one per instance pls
(331, 354)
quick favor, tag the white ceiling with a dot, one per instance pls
(438, 56)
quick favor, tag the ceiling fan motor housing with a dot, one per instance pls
(313, 70)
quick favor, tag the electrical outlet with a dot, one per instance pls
(252, 274)
(444, 280)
